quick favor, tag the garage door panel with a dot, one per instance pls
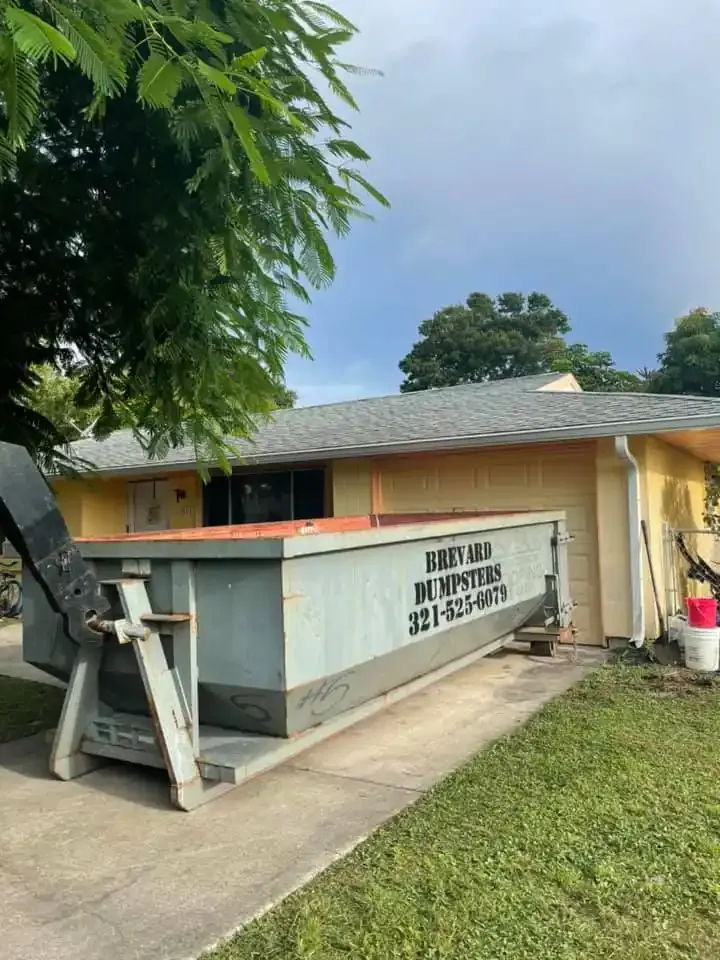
(458, 477)
(558, 474)
(516, 474)
(583, 623)
(517, 479)
(581, 593)
(580, 567)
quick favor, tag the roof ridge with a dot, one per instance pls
(428, 390)
(633, 393)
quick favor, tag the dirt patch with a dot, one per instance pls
(679, 682)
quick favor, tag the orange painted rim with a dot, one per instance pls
(294, 528)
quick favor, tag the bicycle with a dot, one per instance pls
(11, 598)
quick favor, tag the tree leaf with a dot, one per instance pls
(358, 178)
(248, 60)
(8, 158)
(340, 90)
(36, 38)
(217, 78)
(333, 15)
(246, 136)
(158, 81)
(97, 59)
(20, 89)
(346, 148)
(358, 71)
(193, 32)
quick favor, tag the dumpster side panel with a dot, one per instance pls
(241, 645)
(239, 613)
(44, 644)
(320, 700)
(347, 608)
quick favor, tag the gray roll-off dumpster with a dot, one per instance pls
(227, 650)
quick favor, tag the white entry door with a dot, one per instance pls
(149, 505)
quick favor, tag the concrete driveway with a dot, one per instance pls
(103, 869)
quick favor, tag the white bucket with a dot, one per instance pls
(702, 649)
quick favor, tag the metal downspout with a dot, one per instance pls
(634, 541)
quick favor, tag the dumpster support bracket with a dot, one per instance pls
(67, 759)
(174, 719)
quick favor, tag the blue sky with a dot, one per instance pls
(567, 146)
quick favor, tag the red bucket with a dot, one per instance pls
(701, 612)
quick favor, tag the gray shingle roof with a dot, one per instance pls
(506, 411)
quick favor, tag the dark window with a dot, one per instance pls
(216, 502)
(308, 494)
(260, 498)
(264, 497)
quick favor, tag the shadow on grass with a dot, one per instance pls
(27, 708)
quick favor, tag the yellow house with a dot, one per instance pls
(607, 460)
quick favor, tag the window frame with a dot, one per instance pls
(244, 472)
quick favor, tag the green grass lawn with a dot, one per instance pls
(27, 707)
(594, 832)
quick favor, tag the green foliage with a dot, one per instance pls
(56, 396)
(711, 515)
(690, 362)
(171, 174)
(485, 339)
(283, 397)
(509, 336)
(595, 370)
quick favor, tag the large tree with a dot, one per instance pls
(485, 339)
(509, 336)
(595, 370)
(690, 362)
(170, 177)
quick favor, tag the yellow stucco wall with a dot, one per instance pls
(188, 512)
(672, 486)
(674, 496)
(98, 506)
(564, 384)
(351, 487)
(613, 552)
(540, 477)
(68, 494)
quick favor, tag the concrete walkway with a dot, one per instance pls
(103, 869)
